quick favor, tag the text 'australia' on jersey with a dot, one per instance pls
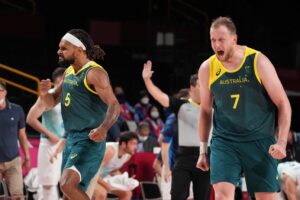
(243, 110)
(82, 109)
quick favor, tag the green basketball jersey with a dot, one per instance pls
(81, 107)
(243, 110)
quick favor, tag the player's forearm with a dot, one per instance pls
(112, 114)
(284, 121)
(60, 146)
(24, 144)
(204, 126)
(164, 154)
(156, 93)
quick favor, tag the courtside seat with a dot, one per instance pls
(140, 166)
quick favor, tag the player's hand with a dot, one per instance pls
(98, 134)
(277, 150)
(45, 86)
(53, 139)
(53, 157)
(202, 162)
(147, 71)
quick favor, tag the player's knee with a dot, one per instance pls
(65, 185)
(100, 196)
(224, 191)
(222, 195)
(69, 180)
(128, 194)
(125, 195)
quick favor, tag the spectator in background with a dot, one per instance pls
(51, 129)
(289, 168)
(116, 155)
(12, 126)
(113, 133)
(155, 122)
(127, 111)
(293, 147)
(146, 143)
(187, 112)
(126, 118)
(141, 108)
(289, 175)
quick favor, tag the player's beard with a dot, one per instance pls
(66, 62)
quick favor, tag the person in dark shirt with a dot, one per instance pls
(146, 143)
(12, 126)
(187, 112)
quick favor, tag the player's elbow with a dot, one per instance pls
(30, 120)
(285, 106)
(163, 100)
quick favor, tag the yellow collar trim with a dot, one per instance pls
(194, 103)
(82, 68)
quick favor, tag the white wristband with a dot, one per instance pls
(203, 148)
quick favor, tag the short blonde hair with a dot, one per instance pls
(225, 21)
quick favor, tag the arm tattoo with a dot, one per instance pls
(112, 114)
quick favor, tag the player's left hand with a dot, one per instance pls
(202, 162)
(277, 150)
(98, 134)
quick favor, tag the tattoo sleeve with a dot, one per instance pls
(112, 114)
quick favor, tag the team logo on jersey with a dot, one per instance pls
(73, 156)
(247, 68)
(218, 71)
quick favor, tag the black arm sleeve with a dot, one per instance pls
(175, 104)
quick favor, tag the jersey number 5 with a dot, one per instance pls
(67, 100)
(236, 98)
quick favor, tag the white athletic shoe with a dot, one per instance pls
(122, 182)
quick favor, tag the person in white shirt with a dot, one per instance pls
(51, 129)
(289, 174)
(116, 155)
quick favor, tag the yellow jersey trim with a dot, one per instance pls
(194, 103)
(255, 68)
(70, 70)
(217, 69)
(84, 67)
(92, 64)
